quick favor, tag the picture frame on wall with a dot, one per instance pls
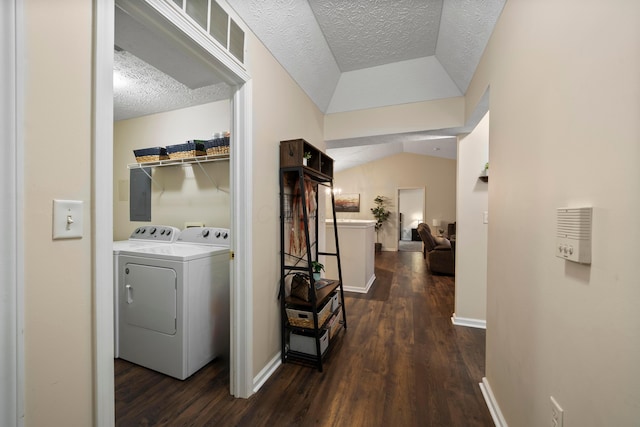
(347, 202)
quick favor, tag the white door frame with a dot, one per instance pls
(241, 201)
(11, 244)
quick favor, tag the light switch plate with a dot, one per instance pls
(67, 219)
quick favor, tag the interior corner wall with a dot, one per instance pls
(564, 132)
(57, 153)
(471, 232)
(282, 111)
(179, 193)
(384, 177)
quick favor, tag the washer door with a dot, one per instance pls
(149, 297)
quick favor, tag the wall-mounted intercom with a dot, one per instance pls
(574, 234)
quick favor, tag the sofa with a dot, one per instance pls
(436, 251)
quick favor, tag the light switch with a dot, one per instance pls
(485, 217)
(67, 219)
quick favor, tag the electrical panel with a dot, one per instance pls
(574, 234)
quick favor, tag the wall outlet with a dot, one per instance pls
(556, 413)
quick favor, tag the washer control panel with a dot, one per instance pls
(205, 236)
(155, 233)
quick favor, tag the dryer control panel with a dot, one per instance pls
(205, 236)
(155, 233)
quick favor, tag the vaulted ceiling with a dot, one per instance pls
(356, 54)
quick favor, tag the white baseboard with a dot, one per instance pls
(468, 322)
(492, 404)
(266, 372)
(360, 290)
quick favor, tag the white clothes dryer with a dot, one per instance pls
(142, 237)
(174, 313)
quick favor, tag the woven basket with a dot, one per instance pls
(152, 154)
(304, 319)
(188, 149)
(217, 146)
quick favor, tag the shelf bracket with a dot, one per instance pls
(210, 179)
(144, 170)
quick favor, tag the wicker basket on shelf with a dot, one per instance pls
(152, 154)
(188, 149)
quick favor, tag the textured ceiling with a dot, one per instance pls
(141, 89)
(365, 33)
(346, 55)
(361, 54)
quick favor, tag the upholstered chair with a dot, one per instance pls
(436, 251)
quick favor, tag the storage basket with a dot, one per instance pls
(152, 154)
(304, 318)
(307, 343)
(217, 146)
(188, 149)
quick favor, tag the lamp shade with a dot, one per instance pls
(435, 223)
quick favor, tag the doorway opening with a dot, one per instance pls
(166, 22)
(411, 208)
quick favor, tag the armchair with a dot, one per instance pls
(437, 253)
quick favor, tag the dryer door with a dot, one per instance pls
(150, 297)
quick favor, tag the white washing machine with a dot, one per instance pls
(142, 237)
(174, 313)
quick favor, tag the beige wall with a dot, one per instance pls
(564, 132)
(471, 232)
(384, 177)
(181, 193)
(57, 150)
(417, 116)
(281, 111)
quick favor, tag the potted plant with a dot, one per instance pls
(381, 214)
(305, 157)
(317, 268)
(485, 172)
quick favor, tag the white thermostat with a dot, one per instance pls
(574, 234)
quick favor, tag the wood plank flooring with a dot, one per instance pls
(401, 362)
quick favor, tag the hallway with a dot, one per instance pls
(401, 362)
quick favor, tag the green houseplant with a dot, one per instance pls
(305, 157)
(317, 268)
(381, 214)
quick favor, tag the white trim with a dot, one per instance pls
(360, 290)
(468, 322)
(492, 403)
(102, 209)
(20, 73)
(242, 226)
(11, 189)
(266, 372)
(224, 63)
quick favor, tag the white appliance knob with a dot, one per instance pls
(217, 234)
(225, 235)
(205, 233)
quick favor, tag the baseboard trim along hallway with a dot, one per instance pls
(492, 404)
(471, 323)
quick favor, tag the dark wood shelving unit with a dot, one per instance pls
(319, 322)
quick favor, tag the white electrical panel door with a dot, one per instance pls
(574, 234)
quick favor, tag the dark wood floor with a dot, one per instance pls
(400, 363)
